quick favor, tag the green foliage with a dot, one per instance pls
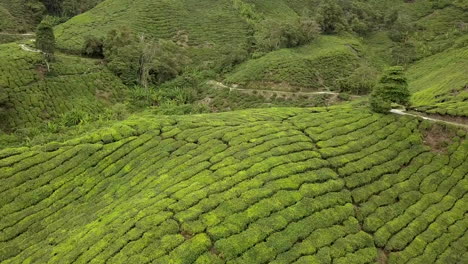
(45, 38)
(73, 118)
(35, 96)
(331, 17)
(311, 67)
(93, 47)
(438, 83)
(361, 81)
(379, 104)
(257, 186)
(392, 88)
(142, 61)
(72, 8)
(272, 35)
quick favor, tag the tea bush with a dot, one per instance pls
(278, 185)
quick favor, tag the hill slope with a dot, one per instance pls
(256, 186)
(33, 95)
(206, 23)
(315, 66)
(439, 83)
(19, 15)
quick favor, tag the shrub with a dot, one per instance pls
(141, 60)
(331, 17)
(272, 35)
(93, 47)
(379, 105)
(392, 88)
(73, 118)
(45, 38)
(361, 81)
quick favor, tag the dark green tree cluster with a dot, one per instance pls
(331, 17)
(335, 16)
(138, 60)
(272, 34)
(45, 40)
(3, 101)
(392, 88)
(68, 8)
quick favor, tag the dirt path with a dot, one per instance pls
(463, 123)
(441, 120)
(28, 48)
(17, 34)
(220, 85)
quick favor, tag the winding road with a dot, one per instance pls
(220, 85)
(402, 112)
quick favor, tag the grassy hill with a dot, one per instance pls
(315, 66)
(258, 186)
(19, 15)
(206, 23)
(439, 83)
(32, 95)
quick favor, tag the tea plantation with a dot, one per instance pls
(439, 83)
(280, 185)
(313, 67)
(35, 95)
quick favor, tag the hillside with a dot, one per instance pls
(19, 15)
(207, 24)
(439, 83)
(31, 95)
(234, 131)
(313, 67)
(283, 185)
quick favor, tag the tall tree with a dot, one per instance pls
(54, 7)
(392, 88)
(45, 39)
(331, 17)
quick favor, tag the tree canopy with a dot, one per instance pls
(392, 88)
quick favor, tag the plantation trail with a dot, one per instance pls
(17, 34)
(269, 93)
(460, 121)
(25, 47)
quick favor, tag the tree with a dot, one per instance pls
(45, 39)
(3, 100)
(272, 35)
(93, 47)
(331, 17)
(143, 60)
(54, 7)
(392, 88)
(160, 61)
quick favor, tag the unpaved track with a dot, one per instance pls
(17, 34)
(28, 48)
(401, 112)
(219, 85)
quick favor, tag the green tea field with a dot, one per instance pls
(280, 185)
(440, 85)
(34, 95)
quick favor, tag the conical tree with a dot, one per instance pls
(45, 38)
(392, 88)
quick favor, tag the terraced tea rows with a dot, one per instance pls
(312, 67)
(447, 95)
(259, 186)
(206, 23)
(33, 95)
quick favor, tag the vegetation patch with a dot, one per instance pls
(276, 185)
(438, 137)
